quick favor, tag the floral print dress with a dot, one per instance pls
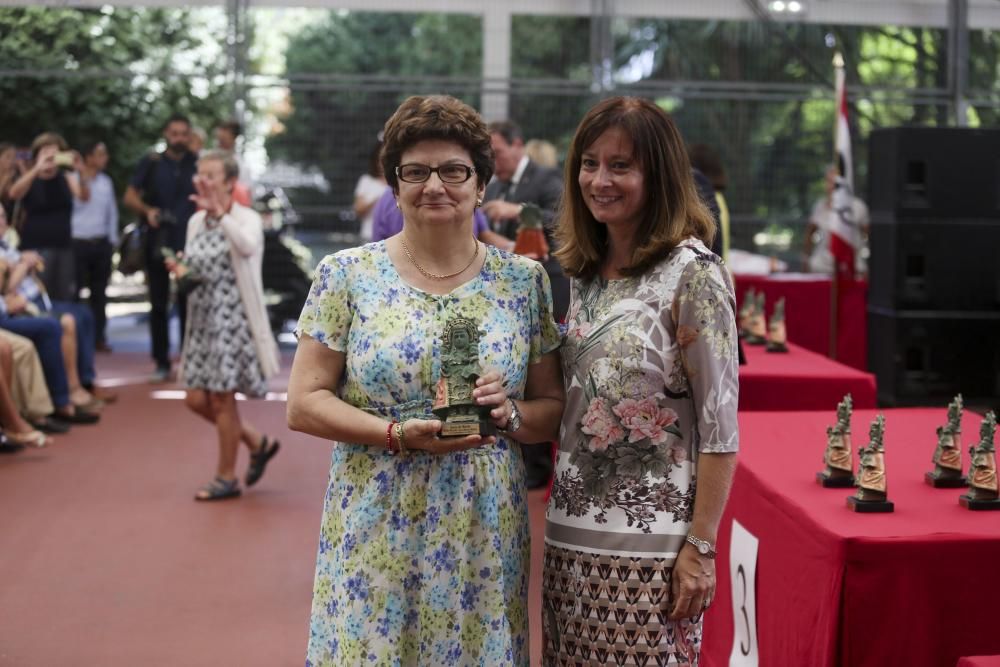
(651, 372)
(423, 559)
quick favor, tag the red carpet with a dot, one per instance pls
(107, 560)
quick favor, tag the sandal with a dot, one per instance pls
(219, 489)
(29, 438)
(259, 459)
(8, 447)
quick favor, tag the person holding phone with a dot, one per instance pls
(46, 191)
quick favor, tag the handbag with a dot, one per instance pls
(132, 249)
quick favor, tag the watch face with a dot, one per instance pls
(703, 549)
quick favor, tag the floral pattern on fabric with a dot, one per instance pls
(651, 373)
(423, 560)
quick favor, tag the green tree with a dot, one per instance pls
(349, 72)
(110, 74)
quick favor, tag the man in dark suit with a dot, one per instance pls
(517, 181)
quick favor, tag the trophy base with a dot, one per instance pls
(461, 429)
(776, 347)
(868, 506)
(945, 482)
(830, 482)
(978, 505)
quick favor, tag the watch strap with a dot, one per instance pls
(704, 547)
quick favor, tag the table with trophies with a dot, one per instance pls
(860, 537)
(807, 299)
(780, 375)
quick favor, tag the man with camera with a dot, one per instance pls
(160, 193)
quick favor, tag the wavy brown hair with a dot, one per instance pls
(672, 211)
(436, 117)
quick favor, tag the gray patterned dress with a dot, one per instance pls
(219, 354)
(650, 367)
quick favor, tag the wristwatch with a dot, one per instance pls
(704, 547)
(514, 421)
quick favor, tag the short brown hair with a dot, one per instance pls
(436, 117)
(672, 210)
(47, 139)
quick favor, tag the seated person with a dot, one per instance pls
(16, 431)
(58, 339)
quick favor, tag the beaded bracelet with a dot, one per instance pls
(389, 446)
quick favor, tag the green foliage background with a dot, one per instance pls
(110, 74)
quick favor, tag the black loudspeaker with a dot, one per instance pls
(934, 263)
(928, 357)
(934, 172)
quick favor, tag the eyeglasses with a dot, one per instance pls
(415, 172)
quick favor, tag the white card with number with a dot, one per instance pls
(743, 578)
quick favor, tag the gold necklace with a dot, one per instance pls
(435, 276)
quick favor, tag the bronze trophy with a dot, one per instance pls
(453, 402)
(983, 491)
(947, 473)
(777, 336)
(756, 328)
(839, 470)
(749, 303)
(871, 495)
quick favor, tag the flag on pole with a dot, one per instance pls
(845, 237)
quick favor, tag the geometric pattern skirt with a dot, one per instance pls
(612, 610)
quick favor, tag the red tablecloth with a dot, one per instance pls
(979, 661)
(917, 587)
(800, 380)
(807, 312)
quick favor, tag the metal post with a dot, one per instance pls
(496, 62)
(237, 43)
(601, 45)
(958, 59)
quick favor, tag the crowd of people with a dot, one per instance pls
(201, 243)
(606, 368)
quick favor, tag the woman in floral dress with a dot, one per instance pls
(650, 369)
(423, 548)
(228, 344)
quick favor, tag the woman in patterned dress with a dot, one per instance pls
(424, 544)
(650, 369)
(228, 345)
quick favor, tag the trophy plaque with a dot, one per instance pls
(453, 401)
(839, 470)
(871, 495)
(757, 329)
(777, 336)
(983, 491)
(749, 303)
(947, 459)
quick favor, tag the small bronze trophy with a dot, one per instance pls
(839, 470)
(757, 329)
(746, 310)
(983, 491)
(530, 240)
(453, 402)
(871, 495)
(777, 336)
(947, 473)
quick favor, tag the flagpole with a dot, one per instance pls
(838, 66)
